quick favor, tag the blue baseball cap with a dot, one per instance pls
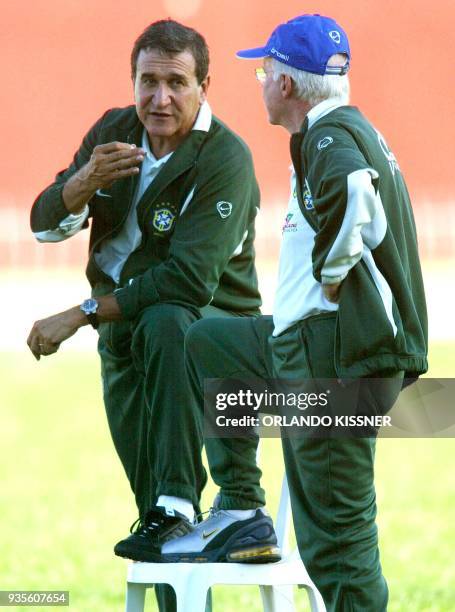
(306, 42)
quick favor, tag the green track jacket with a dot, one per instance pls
(205, 255)
(370, 245)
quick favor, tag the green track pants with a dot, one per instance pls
(331, 481)
(157, 434)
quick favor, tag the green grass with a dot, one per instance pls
(65, 500)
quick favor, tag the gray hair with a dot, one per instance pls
(314, 88)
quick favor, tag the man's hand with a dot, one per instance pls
(108, 163)
(47, 334)
(332, 292)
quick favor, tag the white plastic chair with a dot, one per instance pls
(191, 581)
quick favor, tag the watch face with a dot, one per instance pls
(89, 306)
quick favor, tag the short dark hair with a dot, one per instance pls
(170, 37)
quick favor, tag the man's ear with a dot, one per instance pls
(204, 89)
(286, 85)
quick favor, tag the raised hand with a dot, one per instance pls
(108, 163)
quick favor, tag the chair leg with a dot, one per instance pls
(316, 602)
(135, 597)
(277, 598)
(284, 595)
(268, 603)
(191, 597)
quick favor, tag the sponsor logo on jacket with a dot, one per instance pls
(288, 225)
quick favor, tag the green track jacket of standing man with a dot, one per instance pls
(368, 243)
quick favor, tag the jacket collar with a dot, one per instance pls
(204, 118)
(322, 109)
(317, 112)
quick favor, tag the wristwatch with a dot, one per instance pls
(89, 308)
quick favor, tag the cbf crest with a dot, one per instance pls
(164, 218)
(307, 197)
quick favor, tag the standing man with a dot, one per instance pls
(171, 196)
(350, 303)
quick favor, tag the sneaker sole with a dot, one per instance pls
(144, 556)
(266, 554)
(257, 554)
(136, 555)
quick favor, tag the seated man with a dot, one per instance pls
(172, 197)
(350, 303)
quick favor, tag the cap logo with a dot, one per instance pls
(335, 36)
(280, 55)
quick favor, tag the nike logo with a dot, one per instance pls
(207, 534)
(103, 195)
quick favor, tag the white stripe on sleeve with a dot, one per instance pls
(69, 226)
(361, 209)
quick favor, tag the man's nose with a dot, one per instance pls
(161, 96)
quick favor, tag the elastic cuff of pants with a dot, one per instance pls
(177, 490)
(229, 502)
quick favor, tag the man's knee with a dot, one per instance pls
(162, 326)
(199, 336)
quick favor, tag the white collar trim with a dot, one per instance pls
(322, 109)
(204, 118)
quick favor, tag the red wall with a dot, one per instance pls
(65, 61)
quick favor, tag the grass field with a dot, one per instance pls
(65, 500)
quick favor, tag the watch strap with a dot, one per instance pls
(93, 319)
(89, 308)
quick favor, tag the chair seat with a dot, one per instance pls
(286, 571)
(191, 581)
